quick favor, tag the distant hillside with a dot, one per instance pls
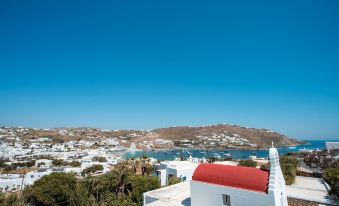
(213, 136)
(260, 137)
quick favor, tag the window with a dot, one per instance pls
(226, 200)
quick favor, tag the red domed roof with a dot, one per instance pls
(233, 176)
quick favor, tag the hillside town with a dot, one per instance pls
(26, 158)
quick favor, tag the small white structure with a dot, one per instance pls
(14, 182)
(304, 150)
(332, 146)
(180, 169)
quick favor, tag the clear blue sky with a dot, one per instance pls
(147, 64)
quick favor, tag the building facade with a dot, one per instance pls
(225, 185)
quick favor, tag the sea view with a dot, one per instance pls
(236, 154)
(169, 103)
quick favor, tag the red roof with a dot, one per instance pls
(233, 176)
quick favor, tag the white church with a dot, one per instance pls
(225, 185)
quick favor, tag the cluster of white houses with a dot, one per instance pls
(39, 153)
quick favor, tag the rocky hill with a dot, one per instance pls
(213, 136)
(259, 137)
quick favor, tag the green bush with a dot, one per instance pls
(289, 167)
(100, 159)
(92, 169)
(56, 189)
(173, 180)
(58, 162)
(120, 187)
(331, 176)
(10, 200)
(247, 163)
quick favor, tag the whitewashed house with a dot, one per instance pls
(180, 169)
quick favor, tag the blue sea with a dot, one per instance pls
(236, 154)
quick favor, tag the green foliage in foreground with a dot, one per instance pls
(120, 187)
(247, 163)
(173, 180)
(289, 167)
(331, 176)
(10, 200)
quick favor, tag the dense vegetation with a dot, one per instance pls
(289, 167)
(329, 164)
(99, 159)
(331, 176)
(92, 169)
(247, 163)
(172, 180)
(60, 162)
(322, 159)
(120, 187)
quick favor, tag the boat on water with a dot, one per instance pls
(292, 147)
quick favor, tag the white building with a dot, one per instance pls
(332, 146)
(226, 185)
(14, 182)
(180, 169)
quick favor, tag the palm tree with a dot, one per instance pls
(121, 173)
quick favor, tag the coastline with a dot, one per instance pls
(172, 153)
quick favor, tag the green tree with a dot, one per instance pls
(57, 162)
(121, 172)
(331, 176)
(146, 168)
(92, 169)
(75, 164)
(10, 200)
(100, 159)
(139, 185)
(2, 163)
(56, 189)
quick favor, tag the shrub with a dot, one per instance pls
(289, 167)
(331, 176)
(247, 163)
(173, 180)
(100, 159)
(55, 189)
(57, 162)
(92, 169)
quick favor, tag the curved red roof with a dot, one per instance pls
(233, 176)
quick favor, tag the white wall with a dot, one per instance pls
(10, 184)
(185, 172)
(205, 194)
